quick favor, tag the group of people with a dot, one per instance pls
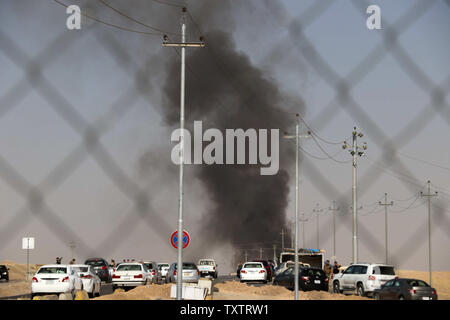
(330, 270)
(59, 259)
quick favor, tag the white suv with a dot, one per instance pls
(363, 277)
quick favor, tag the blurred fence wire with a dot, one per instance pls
(90, 131)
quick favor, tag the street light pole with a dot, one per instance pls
(334, 210)
(317, 212)
(297, 147)
(429, 195)
(386, 204)
(354, 152)
(183, 46)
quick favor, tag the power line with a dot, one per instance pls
(110, 24)
(169, 4)
(324, 151)
(319, 158)
(136, 21)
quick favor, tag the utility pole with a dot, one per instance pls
(260, 253)
(72, 247)
(297, 147)
(282, 239)
(183, 45)
(354, 152)
(274, 252)
(334, 210)
(246, 256)
(386, 204)
(317, 211)
(303, 220)
(429, 195)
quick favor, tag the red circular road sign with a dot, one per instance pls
(174, 239)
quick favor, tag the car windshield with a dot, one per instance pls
(206, 263)
(95, 263)
(57, 270)
(289, 271)
(252, 265)
(81, 269)
(129, 267)
(417, 283)
(148, 265)
(2, 267)
(189, 266)
(160, 266)
(315, 272)
(384, 270)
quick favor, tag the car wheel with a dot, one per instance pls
(336, 288)
(92, 294)
(401, 298)
(360, 290)
(376, 296)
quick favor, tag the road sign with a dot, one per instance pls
(27, 243)
(174, 239)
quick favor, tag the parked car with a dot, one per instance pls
(155, 273)
(207, 267)
(101, 268)
(55, 278)
(163, 269)
(363, 277)
(190, 272)
(268, 269)
(254, 271)
(130, 274)
(4, 272)
(405, 289)
(308, 279)
(91, 281)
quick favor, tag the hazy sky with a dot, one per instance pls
(82, 66)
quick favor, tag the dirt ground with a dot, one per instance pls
(222, 291)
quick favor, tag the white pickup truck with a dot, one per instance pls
(207, 267)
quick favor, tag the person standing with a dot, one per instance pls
(58, 260)
(336, 267)
(72, 261)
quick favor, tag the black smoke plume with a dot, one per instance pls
(226, 91)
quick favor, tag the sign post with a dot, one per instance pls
(28, 244)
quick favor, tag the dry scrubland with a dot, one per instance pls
(222, 291)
